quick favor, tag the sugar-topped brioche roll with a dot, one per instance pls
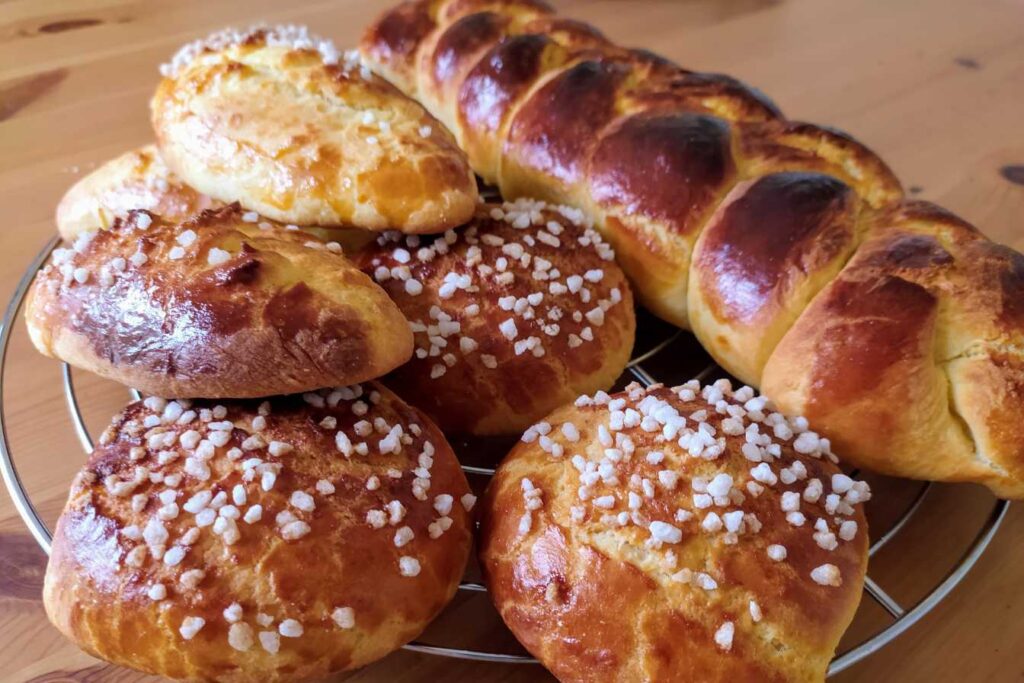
(138, 179)
(224, 305)
(514, 314)
(249, 541)
(686, 534)
(286, 125)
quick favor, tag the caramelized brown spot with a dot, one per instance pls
(462, 40)
(783, 223)
(879, 323)
(242, 270)
(292, 312)
(671, 168)
(911, 252)
(498, 79)
(399, 32)
(297, 316)
(558, 125)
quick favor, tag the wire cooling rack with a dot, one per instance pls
(664, 354)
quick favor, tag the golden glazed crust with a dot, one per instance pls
(236, 543)
(734, 222)
(921, 336)
(513, 315)
(141, 180)
(288, 127)
(225, 305)
(637, 537)
(138, 179)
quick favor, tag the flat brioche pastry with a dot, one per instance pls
(284, 124)
(691, 534)
(224, 305)
(513, 314)
(260, 541)
(138, 179)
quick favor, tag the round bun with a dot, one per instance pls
(250, 541)
(138, 179)
(225, 305)
(681, 534)
(514, 314)
(282, 123)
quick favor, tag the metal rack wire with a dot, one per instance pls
(903, 617)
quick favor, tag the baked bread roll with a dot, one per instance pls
(141, 180)
(284, 124)
(276, 541)
(686, 534)
(728, 220)
(513, 315)
(138, 179)
(224, 305)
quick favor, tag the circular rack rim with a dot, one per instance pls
(903, 618)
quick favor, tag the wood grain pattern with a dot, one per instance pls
(935, 86)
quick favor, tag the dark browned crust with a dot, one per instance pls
(278, 317)
(785, 225)
(920, 337)
(670, 168)
(554, 131)
(555, 111)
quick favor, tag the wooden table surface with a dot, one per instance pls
(936, 87)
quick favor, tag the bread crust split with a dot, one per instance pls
(287, 126)
(685, 534)
(749, 229)
(513, 314)
(223, 305)
(260, 541)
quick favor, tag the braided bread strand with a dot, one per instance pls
(786, 247)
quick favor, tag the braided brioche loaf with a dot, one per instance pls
(786, 247)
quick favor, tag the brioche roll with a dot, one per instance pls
(513, 315)
(686, 534)
(283, 124)
(141, 180)
(138, 179)
(224, 305)
(260, 542)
